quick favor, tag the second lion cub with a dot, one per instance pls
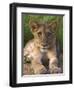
(42, 48)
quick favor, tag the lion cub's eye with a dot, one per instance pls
(49, 33)
(39, 34)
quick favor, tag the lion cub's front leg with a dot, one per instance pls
(53, 65)
(38, 67)
(53, 62)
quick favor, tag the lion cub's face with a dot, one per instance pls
(44, 33)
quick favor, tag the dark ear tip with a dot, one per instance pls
(53, 23)
(32, 23)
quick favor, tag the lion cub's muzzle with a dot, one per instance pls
(45, 46)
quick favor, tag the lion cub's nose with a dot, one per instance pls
(44, 45)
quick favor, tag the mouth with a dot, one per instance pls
(45, 48)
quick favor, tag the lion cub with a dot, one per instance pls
(42, 48)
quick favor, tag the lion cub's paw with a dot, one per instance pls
(55, 70)
(43, 71)
(40, 70)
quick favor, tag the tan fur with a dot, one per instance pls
(44, 39)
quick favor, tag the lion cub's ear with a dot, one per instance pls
(33, 25)
(53, 25)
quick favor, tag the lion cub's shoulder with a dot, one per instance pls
(30, 47)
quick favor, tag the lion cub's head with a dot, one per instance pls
(44, 33)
